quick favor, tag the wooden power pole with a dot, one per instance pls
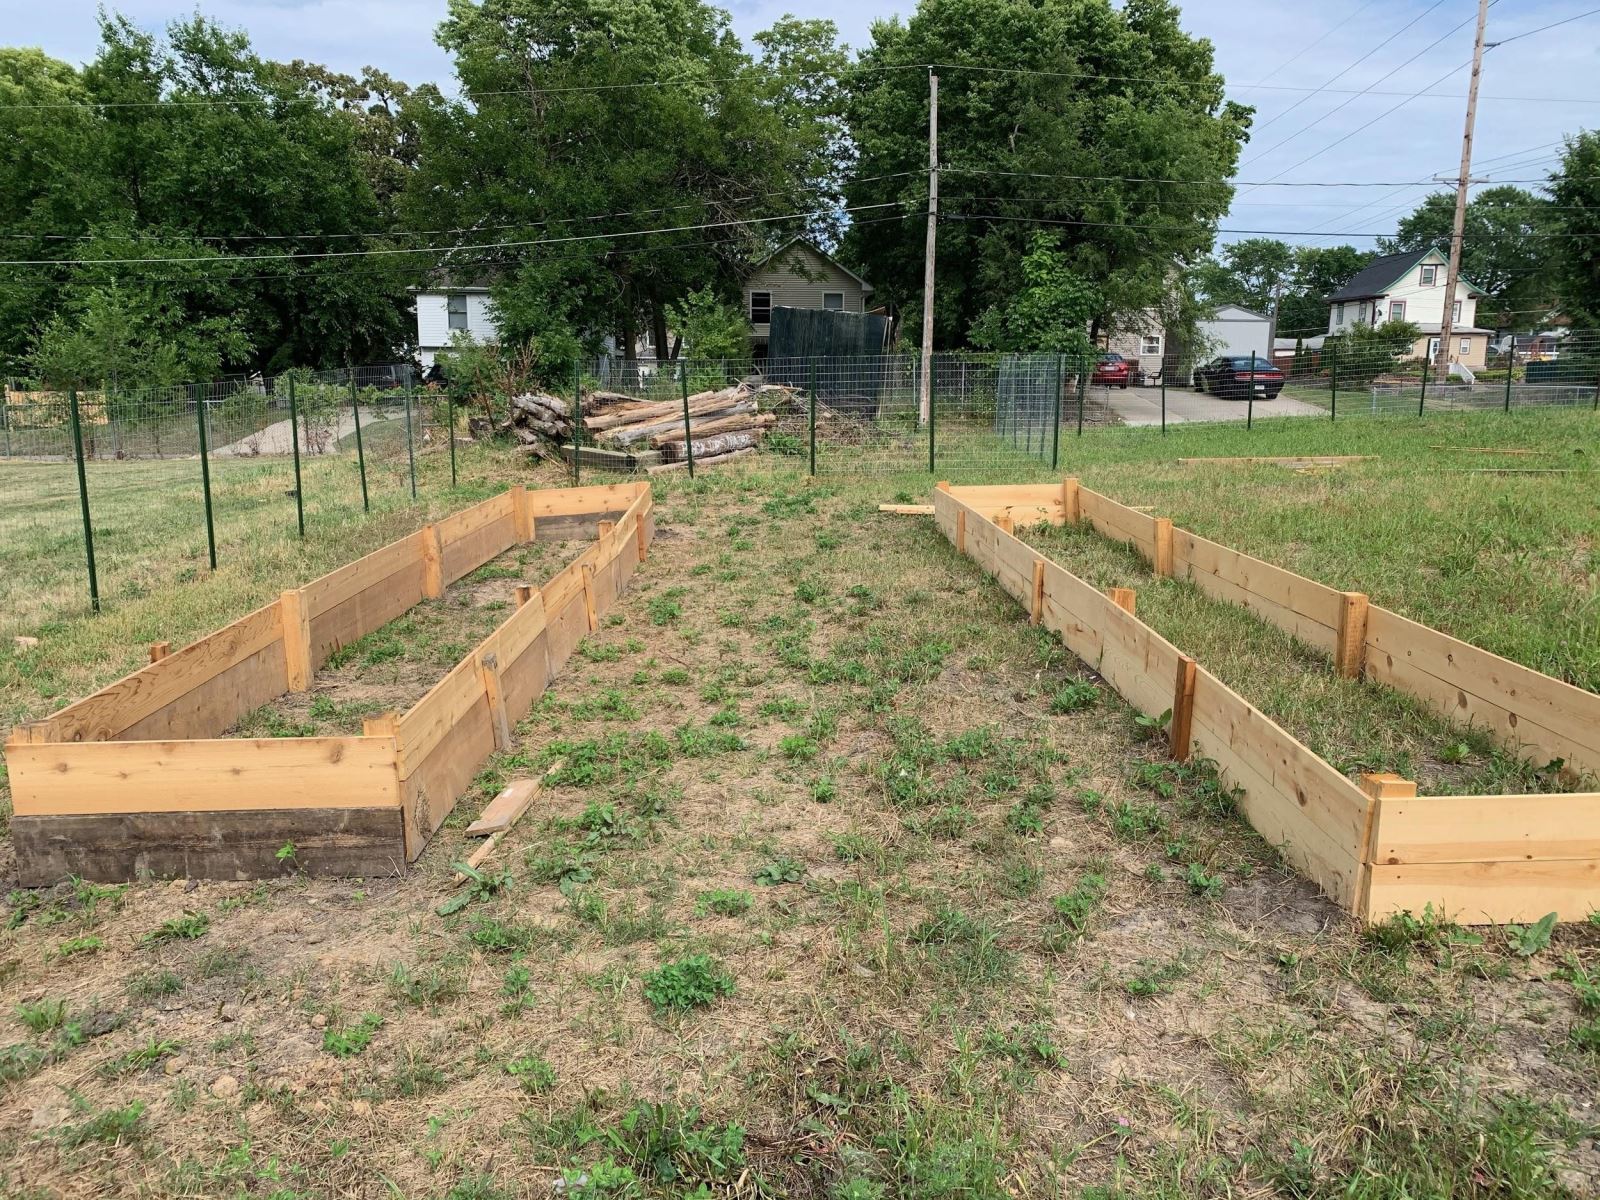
(925, 389)
(1452, 275)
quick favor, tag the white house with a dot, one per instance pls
(1411, 287)
(445, 312)
(1232, 329)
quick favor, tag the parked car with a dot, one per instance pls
(1231, 377)
(1112, 370)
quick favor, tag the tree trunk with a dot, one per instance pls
(658, 328)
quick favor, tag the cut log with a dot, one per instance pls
(699, 462)
(536, 400)
(610, 420)
(707, 410)
(728, 424)
(722, 443)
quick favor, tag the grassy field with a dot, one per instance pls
(853, 885)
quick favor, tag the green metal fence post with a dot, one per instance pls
(294, 441)
(83, 499)
(1250, 401)
(812, 391)
(205, 482)
(1511, 365)
(1083, 383)
(411, 448)
(1423, 398)
(688, 433)
(450, 432)
(1163, 369)
(933, 408)
(1055, 418)
(1333, 378)
(577, 420)
(361, 453)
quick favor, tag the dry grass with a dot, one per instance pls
(990, 949)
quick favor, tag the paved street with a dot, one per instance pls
(1142, 406)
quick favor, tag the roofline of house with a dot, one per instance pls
(820, 253)
(1473, 290)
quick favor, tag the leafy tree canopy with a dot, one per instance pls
(1051, 311)
(1122, 103)
(1575, 213)
(1272, 277)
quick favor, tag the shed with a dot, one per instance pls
(1234, 329)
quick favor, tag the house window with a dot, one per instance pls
(1150, 344)
(1466, 347)
(1430, 275)
(833, 300)
(456, 310)
(1338, 314)
(1397, 310)
(760, 308)
(1433, 349)
(1361, 313)
(1455, 311)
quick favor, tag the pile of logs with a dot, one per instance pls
(724, 422)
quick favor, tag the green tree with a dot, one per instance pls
(1318, 272)
(710, 326)
(1363, 352)
(689, 135)
(1575, 200)
(1288, 283)
(1505, 248)
(1051, 311)
(1110, 104)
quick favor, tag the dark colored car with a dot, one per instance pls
(1232, 377)
(1112, 370)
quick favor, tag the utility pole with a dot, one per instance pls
(1452, 275)
(925, 405)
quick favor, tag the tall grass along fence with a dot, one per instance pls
(138, 778)
(1376, 848)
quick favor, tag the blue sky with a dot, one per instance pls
(1534, 90)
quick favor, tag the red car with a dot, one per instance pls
(1113, 371)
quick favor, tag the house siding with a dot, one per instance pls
(433, 322)
(1424, 304)
(797, 278)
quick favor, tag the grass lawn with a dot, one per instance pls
(852, 885)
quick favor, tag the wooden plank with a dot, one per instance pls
(522, 513)
(1485, 893)
(1180, 732)
(1534, 714)
(573, 527)
(1467, 829)
(151, 693)
(1071, 501)
(1303, 460)
(509, 803)
(1350, 648)
(593, 500)
(1491, 450)
(591, 617)
(1162, 563)
(358, 614)
(481, 515)
(500, 722)
(328, 591)
(435, 782)
(226, 773)
(432, 561)
(907, 510)
(1292, 798)
(465, 554)
(432, 719)
(209, 844)
(296, 620)
(1302, 607)
(1118, 522)
(565, 628)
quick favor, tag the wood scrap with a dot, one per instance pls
(1300, 460)
(504, 811)
(907, 510)
(714, 460)
(728, 424)
(1518, 471)
(1489, 450)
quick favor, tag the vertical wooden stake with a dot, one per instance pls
(489, 671)
(1180, 733)
(961, 531)
(432, 562)
(296, 616)
(1123, 598)
(944, 485)
(524, 593)
(644, 544)
(604, 528)
(1071, 504)
(1037, 612)
(383, 725)
(1378, 787)
(1350, 655)
(159, 650)
(588, 597)
(1003, 520)
(1163, 563)
(522, 513)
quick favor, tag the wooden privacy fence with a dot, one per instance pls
(1378, 848)
(136, 779)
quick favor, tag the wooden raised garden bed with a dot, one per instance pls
(136, 780)
(1377, 848)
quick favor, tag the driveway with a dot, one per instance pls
(1142, 406)
(276, 438)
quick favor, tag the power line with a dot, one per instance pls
(1517, 37)
(1304, 50)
